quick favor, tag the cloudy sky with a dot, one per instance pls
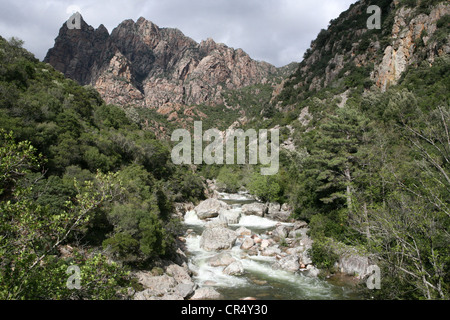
(276, 31)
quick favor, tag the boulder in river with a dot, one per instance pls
(184, 290)
(159, 285)
(273, 207)
(223, 259)
(234, 269)
(156, 287)
(300, 225)
(243, 231)
(180, 274)
(210, 208)
(174, 284)
(265, 243)
(281, 231)
(254, 209)
(230, 216)
(312, 271)
(289, 263)
(216, 237)
(247, 244)
(299, 230)
(206, 293)
(279, 213)
(305, 258)
(148, 295)
(256, 239)
(271, 251)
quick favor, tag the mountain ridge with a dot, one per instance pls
(142, 65)
(347, 51)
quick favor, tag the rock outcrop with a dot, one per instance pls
(408, 31)
(140, 64)
(223, 259)
(78, 52)
(234, 269)
(174, 284)
(206, 293)
(257, 209)
(349, 50)
(352, 261)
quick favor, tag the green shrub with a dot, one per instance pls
(266, 188)
(229, 179)
(322, 255)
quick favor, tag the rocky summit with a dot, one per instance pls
(140, 64)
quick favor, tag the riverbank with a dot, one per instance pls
(237, 248)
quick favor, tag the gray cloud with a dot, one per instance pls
(276, 31)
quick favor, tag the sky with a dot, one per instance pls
(275, 31)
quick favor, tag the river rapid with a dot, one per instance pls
(260, 280)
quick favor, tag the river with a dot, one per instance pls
(259, 280)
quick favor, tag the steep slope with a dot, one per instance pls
(368, 113)
(80, 185)
(364, 124)
(142, 65)
(348, 54)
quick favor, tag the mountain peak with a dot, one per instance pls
(102, 29)
(143, 65)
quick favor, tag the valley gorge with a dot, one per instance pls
(140, 65)
(358, 208)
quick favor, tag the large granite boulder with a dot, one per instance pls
(289, 263)
(210, 208)
(206, 293)
(254, 209)
(231, 216)
(234, 269)
(223, 259)
(216, 237)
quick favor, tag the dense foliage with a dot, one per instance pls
(375, 174)
(79, 173)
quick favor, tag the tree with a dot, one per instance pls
(31, 235)
(16, 160)
(408, 226)
(330, 170)
(139, 218)
(265, 188)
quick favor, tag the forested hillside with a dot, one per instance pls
(370, 168)
(77, 177)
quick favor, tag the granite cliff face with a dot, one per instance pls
(78, 51)
(140, 64)
(412, 42)
(348, 53)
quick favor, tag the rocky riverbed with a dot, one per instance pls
(238, 248)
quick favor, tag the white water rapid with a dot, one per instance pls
(260, 280)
